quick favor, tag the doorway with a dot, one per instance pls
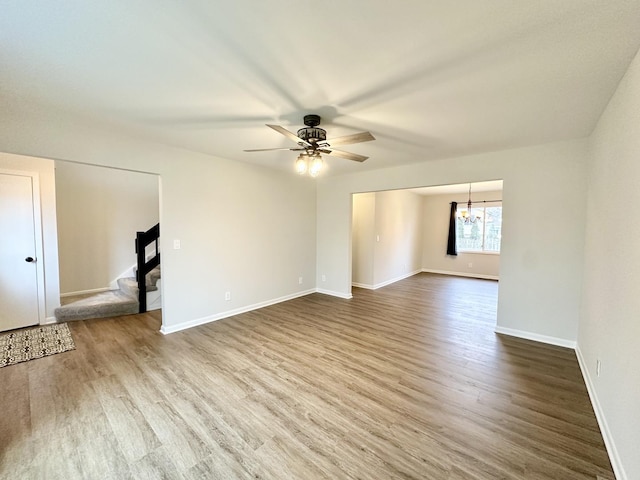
(398, 233)
(99, 210)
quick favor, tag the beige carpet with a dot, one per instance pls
(36, 342)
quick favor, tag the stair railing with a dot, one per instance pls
(144, 239)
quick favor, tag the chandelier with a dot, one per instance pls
(467, 217)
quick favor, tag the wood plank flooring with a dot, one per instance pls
(408, 381)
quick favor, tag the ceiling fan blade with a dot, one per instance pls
(288, 134)
(350, 139)
(348, 155)
(273, 149)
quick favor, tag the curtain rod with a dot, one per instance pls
(479, 201)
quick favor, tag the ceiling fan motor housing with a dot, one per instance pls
(312, 134)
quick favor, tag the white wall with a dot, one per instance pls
(436, 210)
(398, 236)
(45, 170)
(244, 229)
(610, 320)
(543, 214)
(363, 238)
(386, 237)
(99, 212)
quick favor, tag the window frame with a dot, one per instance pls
(462, 207)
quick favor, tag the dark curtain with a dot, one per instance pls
(452, 248)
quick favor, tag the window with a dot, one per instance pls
(483, 234)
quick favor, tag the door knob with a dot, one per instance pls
(29, 259)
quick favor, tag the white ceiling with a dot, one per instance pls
(429, 79)
(477, 187)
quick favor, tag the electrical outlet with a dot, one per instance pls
(176, 244)
(324, 278)
(227, 296)
(470, 265)
(299, 280)
(598, 367)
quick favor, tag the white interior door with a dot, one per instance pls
(18, 274)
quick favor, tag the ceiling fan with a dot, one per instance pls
(312, 141)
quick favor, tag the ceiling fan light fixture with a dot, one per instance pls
(301, 164)
(312, 140)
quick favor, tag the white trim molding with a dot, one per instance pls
(385, 283)
(462, 274)
(536, 337)
(363, 285)
(167, 329)
(614, 457)
(346, 296)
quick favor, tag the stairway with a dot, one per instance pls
(113, 303)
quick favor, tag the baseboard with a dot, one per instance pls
(230, 313)
(462, 274)
(614, 457)
(49, 321)
(363, 285)
(384, 284)
(334, 294)
(85, 292)
(559, 342)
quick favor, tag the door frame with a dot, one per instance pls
(39, 246)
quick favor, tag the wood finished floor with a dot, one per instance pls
(408, 381)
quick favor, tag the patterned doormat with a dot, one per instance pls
(37, 342)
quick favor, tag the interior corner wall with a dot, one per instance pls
(542, 248)
(386, 237)
(437, 209)
(362, 238)
(244, 229)
(46, 174)
(99, 212)
(398, 236)
(609, 325)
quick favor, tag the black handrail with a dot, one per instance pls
(143, 239)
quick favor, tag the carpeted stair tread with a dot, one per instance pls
(129, 285)
(106, 304)
(152, 278)
(109, 304)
